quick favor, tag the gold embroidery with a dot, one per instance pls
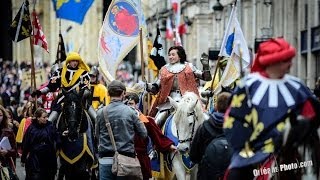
(252, 118)
(228, 122)
(246, 152)
(269, 146)
(237, 100)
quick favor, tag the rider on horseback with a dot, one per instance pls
(261, 107)
(73, 76)
(99, 91)
(175, 78)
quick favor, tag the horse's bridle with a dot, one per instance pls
(192, 132)
(78, 127)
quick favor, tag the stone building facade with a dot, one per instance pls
(296, 20)
(81, 38)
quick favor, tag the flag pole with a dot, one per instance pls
(249, 102)
(214, 77)
(33, 76)
(143, 76)
(59, 47)
(141, 57)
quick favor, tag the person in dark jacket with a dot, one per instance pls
(209, 130)
(39, 148)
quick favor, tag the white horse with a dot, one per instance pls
(183, 126)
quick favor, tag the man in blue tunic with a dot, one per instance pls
(261, 105)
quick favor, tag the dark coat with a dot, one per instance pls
(8, 159)
(209, 130)
(39, 151)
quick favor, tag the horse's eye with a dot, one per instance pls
(191, 123)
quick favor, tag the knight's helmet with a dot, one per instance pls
(94, 72)
(54, 68)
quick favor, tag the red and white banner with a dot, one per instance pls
(38, 37)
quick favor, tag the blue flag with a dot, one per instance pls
(73, 10)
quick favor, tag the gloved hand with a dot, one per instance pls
(204, 59)
(148, 87)
(36, 93)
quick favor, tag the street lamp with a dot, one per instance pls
(217, 10)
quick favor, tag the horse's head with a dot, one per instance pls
(72, 114)
(187, 118)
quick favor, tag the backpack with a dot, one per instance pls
(216, 158)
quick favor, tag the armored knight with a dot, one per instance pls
(175, 78)
(73, 76)
(99, 91)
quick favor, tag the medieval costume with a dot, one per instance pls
(176, 78)
(48, 98)
(261, 106)
(160, 142)
(99, 91)
(68, 79)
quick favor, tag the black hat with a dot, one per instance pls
(116, 87)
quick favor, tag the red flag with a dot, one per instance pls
(175, 5)
(38, 37)
(169, 30)
(182, 28)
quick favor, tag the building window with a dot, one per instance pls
(306, 16)
(318, 9)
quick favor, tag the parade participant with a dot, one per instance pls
(175, 78)
(27, 113)
(99, 91)
(261, 105)
(160, 142)
(39, 148)
(49, 97)
(73, 76)
(7, 154)
(124, 123)
(214, 165)
(13, 124)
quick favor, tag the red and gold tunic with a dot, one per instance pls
(186, 82)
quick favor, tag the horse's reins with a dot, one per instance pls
(67, 124)
(188, 139)
(192, 131)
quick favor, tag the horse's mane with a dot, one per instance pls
(72, 97)
(189, 99)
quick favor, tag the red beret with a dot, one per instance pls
(272, 51)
